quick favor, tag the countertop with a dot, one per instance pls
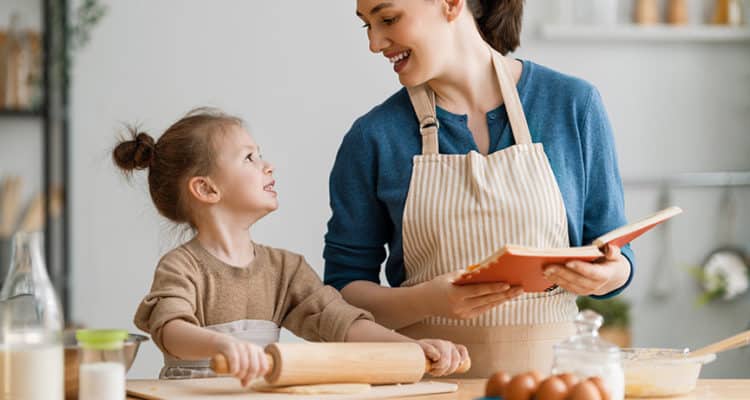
(707, 389)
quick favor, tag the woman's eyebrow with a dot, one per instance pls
(377, 8)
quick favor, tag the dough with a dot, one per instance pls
(330, 388)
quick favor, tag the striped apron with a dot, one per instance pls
(462, 208)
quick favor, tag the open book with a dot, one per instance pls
(519, 265)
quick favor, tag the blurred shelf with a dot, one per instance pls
(4, 112)
(653, 33)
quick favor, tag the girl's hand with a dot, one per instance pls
(246, 360)
(443, 298)
(445, 356)
(597, 278)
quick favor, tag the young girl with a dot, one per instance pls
(222, 293)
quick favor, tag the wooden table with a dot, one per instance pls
(708, 389)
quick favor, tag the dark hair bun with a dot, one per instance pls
(499, 22)
(136, 153)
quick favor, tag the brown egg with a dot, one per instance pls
(496, 384)
(569, 379)
(552, 388)
(538, 377)
(585, 390)
(599, 382)
(521, 387)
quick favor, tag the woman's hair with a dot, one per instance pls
(499, 22)
(186, 149)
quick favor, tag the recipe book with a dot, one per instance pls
(523, 266)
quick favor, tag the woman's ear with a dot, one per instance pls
(453, 8)
(203, 189)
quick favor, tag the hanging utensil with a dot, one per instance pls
(10, 201)
(661, 277)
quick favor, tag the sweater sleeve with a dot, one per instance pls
(604, 200)
(359, 226)
(316, 312)
(172, 296)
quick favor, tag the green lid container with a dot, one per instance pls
(101, 339)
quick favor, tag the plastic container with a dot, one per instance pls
(101, 373)
(586, 354)
(653, 372)
(31, 350)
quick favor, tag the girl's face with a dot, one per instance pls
(244, 179)
(412, 34)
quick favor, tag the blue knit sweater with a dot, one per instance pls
(370, 178)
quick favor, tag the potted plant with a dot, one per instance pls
(616, 314)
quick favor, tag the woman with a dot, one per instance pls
(450, 169)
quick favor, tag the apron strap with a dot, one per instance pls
(423, 101)
(512, 101)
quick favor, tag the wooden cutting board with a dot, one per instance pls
(230, 388)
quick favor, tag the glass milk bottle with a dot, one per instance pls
(585, 354)
(101, 373)
(31, 350)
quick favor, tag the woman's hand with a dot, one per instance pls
(443, 298)
(597, 278)
(445, 356)
(246, 360)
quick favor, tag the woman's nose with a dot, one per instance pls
(268, 168)
(378, 42)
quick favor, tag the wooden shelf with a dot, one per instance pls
(652, 33)
(20, 113)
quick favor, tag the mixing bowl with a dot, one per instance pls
(130, 349)
(653, 372)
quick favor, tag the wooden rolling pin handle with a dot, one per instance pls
(220, 365)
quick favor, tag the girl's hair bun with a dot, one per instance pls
(136, 152)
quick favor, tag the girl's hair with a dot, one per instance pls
(499, 22)
(186, 149)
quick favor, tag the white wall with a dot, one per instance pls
(300, 73)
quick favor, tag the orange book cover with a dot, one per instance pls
(523, 266)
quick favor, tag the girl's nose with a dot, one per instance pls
(268, 168)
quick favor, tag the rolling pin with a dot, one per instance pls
(316, 363)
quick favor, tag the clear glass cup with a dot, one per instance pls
(586, 354)
(31, 350)
(101, 372)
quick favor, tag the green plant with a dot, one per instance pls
(616, 312)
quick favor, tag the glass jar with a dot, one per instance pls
(31, 350)
(101, 372)
(585, 354)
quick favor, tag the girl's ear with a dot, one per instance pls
(203, 189)
(452, 8)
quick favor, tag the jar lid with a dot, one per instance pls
(101, 339)
(587, 340)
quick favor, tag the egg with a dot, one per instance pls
(521, 387)
(569, 379)
(538, 378)
(552, 388)
(585, 390)
(496, 384)
(599, 382)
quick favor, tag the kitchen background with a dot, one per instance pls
(300, 72)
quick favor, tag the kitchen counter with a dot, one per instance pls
(708, 389)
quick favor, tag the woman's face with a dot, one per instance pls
(411, 34)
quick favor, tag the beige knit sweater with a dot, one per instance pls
(278, 285)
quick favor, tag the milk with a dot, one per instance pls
(32, 372)
(101, 381)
